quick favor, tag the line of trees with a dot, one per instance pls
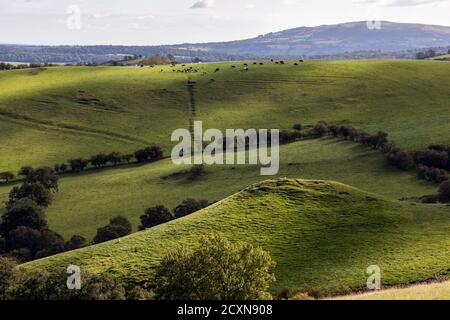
(149, 154)
(120, 226)
(160, 214)
(24, 231)
(431, 164)
(101, 160)
(9, 66)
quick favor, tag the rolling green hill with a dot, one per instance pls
(321, 234)
(87, 201)
(48, 115)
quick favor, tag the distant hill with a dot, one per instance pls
(338, 39)
(347, 40)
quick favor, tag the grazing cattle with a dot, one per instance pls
(245, 68)
(282, 62)
(255, 63)
(277, 62)
(271, 60)
(301, 60)
(233, 67)
(261, 64)
(296, 64)
(245, 65)
(217, 70)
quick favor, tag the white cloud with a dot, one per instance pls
(402, 3)
(411, 3)
(203, 4)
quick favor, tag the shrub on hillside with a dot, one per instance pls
(117, 227)
(400, 159)
(215, 270)
(45, 176)
(432, 158)
(149, 154)
(320, 129)
(34, 191)
(444, 191)
(155, 216)
(431, 174)
(78, 165)
(189, 206)
(75, 242)
(7, 176)
(7, 270)
(24, 212)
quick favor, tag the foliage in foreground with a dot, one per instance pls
(215, 270)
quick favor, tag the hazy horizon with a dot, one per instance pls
(144, 22)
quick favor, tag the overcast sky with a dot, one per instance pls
(151, 22)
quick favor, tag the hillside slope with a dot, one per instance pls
(432, 291)
(321, 234)
(49, 115)
(94, 197)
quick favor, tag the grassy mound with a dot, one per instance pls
(322, 234)
(85, 202)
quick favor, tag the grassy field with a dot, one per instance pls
(87, 201)
(77, 111)
(321, 234)
(433, 291)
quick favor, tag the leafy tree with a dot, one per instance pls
(101, 287)
(297, 127)
(400, 159)
(25, 171)
(24, 237)
(99, 160)
(117, 227)
(432, 158)
(155, 216)
(7, 176)
(45, 176)
(444, 191)
(115, 158)
(75, 242)
(187, 207)
(215, 270)
(34, 191)
(24, 212)
(320, 128)
(50, 243)
(150, 154)
(7, 266)
(77, 165)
